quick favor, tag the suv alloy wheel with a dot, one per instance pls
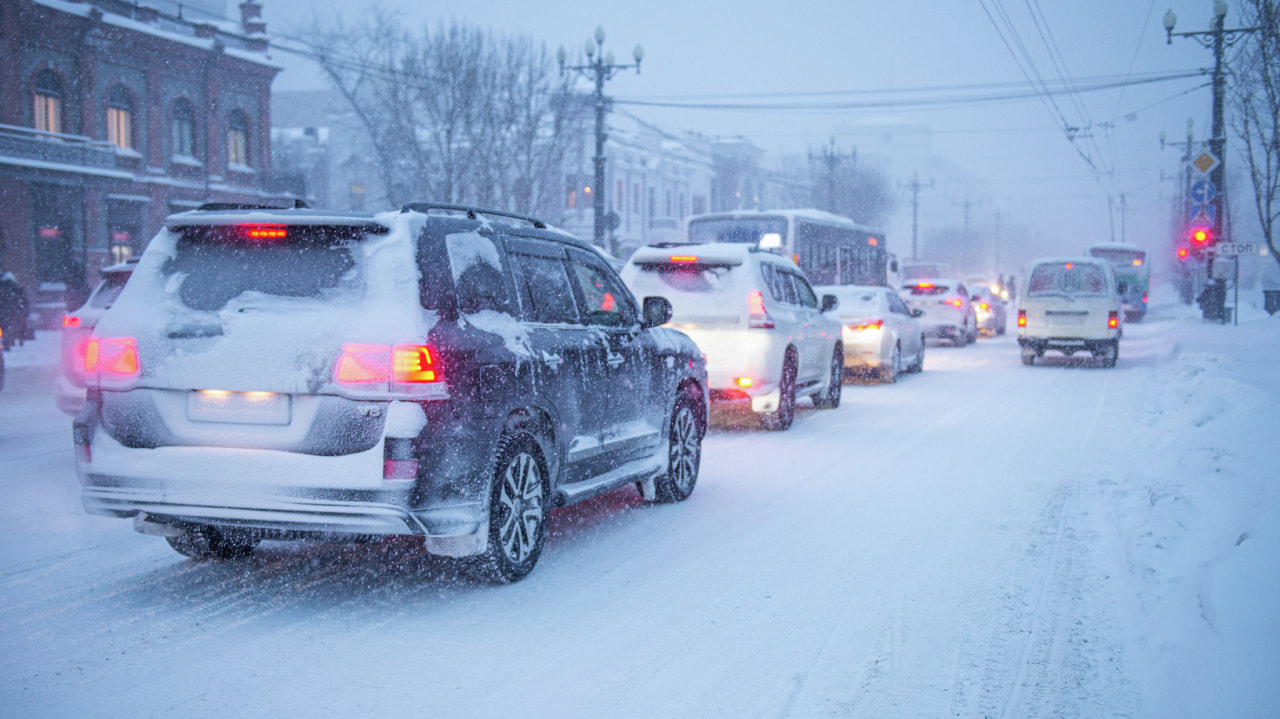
(518, 512)
(684, 454)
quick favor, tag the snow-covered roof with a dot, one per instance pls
(811, 214)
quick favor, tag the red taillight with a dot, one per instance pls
(983, 306)
(744, 381)
(684, 258)
(1144, 298)
(116, 357)
(868, 325)
(954, 302)
(413, 364)
(1022, 318)
(363, 365)
(399, 469)
(1113, 320)
(265, 232)
(70, 321)
(1070, 265)
(383, 368)
(760, 318)
(924, 285)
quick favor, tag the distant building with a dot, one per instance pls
(654, 179)
(114, 115)
(316, 136)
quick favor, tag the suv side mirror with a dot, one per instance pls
(830, 302)
(657, 311)
(917, 312)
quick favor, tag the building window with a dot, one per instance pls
(699, 204)
(668, 213)
(653, 203)
(635, 198)
(120, 118)
(48, 101)
(184, 129)
(237, 139)
(622, 198)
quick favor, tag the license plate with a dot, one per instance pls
(238, 407)
(1065, 320)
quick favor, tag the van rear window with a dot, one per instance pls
(218, 264)
(1070, 278)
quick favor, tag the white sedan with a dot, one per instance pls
(882, 336)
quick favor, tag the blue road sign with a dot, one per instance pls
(1203, 215)
(1203, 192)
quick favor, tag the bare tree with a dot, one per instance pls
(1257, 110)
(456, 113)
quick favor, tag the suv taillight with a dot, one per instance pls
(759, 318)
(1113, 320)
(1022, 318)
(953, 301)
(387, 369)
(111, 360)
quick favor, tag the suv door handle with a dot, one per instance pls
(615, 359)
(551, 360)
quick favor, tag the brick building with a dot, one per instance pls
(114, 115)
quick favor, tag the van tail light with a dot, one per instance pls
(111, 359)
(70, 321)
(868, 325)
(759, 318)
(954, 302)
(1113, 319)
(1022, 318)
(386, 369)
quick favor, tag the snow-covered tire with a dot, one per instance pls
(1110, 356)
(835, 384)
(889, 375)
(780, 420)
(918, 366)
(204, 541)
(684, 453)
(519, 510)
(1028, 357)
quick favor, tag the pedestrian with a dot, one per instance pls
(13, 311)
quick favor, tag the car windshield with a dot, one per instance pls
(109, 290)
(1068, 278)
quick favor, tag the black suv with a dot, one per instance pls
(446, 372)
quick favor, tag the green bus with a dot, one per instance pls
(1133, 275)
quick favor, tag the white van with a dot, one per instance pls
(1070, 305)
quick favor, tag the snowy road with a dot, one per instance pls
(983, 539)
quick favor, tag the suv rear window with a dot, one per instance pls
(218, 264)
(1070, 278)
(687, 279)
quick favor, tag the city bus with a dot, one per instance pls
(1133, 275)
(832, 250)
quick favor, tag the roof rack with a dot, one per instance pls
(472, 212)
(240, 206)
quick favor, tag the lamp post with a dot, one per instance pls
(1216, 38)
(599, 68)
(1186, 277)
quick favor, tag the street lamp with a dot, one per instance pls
(1216, 38)
(599, 68)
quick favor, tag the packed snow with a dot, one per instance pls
(983, 539)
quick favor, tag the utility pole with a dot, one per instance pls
(915, 186)
(831, 161)
(599, 68)
(1217, 38)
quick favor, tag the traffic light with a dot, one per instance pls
(1183, 254)
(1201, 236)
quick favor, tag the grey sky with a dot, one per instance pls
(1019, 159)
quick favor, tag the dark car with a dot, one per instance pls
(448, 373)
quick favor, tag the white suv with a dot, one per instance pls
(1070, 305)
(766, 337)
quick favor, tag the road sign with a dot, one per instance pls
(1205, 215)
(1203, 191)
(1205, 161)
(1237, 248)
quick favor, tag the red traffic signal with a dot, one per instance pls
(1201, 235)
(1183, 253)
